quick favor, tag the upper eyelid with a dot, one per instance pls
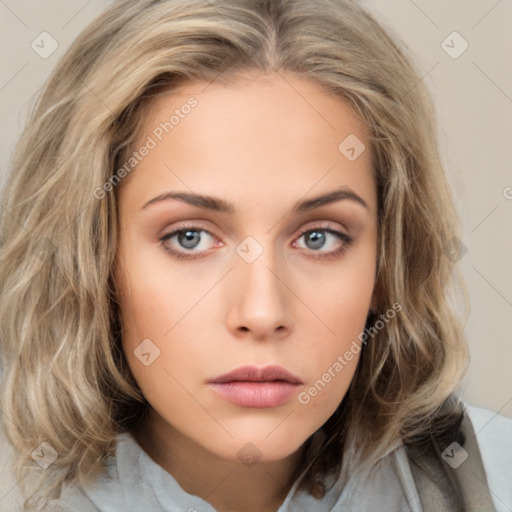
(301, 231)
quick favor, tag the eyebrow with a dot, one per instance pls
(220, 205)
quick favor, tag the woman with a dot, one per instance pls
(224, 271)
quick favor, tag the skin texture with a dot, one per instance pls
(263, 144)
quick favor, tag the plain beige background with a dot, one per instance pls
(472, 90)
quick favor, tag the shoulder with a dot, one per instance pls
(493, 433)
(10, 496)
(466, 464)
(491, 428)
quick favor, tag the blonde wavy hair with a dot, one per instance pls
(65, 378)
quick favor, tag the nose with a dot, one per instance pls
(260, 301)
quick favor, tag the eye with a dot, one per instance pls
(188, 240)
(319, 238)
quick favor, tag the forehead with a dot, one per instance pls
(266, 135)
(281, 98)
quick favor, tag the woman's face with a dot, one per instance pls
(247, 267)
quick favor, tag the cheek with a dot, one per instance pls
(330, 373)
(330, 361)
(154, 295)
(157, 309)
(341, 309)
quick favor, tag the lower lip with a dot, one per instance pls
(255, 394)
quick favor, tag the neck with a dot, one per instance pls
(226, 484)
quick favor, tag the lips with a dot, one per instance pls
(254, 374)
(254, 387)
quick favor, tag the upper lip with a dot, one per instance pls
(255, 374)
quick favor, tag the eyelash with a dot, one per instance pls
(346, 239)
